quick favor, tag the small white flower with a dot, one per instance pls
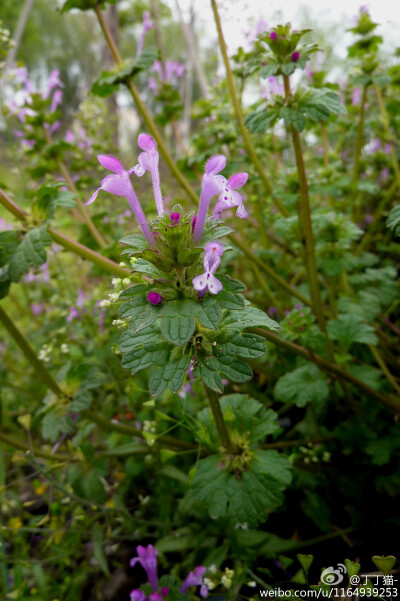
(116, 281)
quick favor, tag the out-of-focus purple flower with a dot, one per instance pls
(54, 82)
(154, 298)
(194, 578)
(387, 149)
(137, 595)
(4, 225)
(273, 35)
(384, 175)
(69, 136)
(187, 388)
(147, 557)
(208, 280)
(273, 311)
(37, 308)
(295, 56)
(356, 96)
(120, 184)
(230, 198)
(155, 597)
(271, 86)
(148, 161)
(147, 25)
(252, 34)
(375, 146)
(169, 72)
(22, 76)
(175, 218)
(56, 100)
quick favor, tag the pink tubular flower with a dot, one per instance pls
(195, 578)
(214, 184)
(56, 100)
(230, 198)
(54, 82)
(147, 557)
(208, 280)
(147, 25)
(120, 185)
(148, 161)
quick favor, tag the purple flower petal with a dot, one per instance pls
(147, 143)
(111, 163)
(194, 578)
(215, 164)
(137, 595)
(93, 197)
(214, 248)
(116, 184)
(237, 180)
(241, 212)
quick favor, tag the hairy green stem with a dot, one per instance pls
(304, 212)
(141, 107)
(68, 243)
(30, 354)
(219, 420)
(328, 366)
(168, 441)
(17, 444)
(82, 209)
(239, 115)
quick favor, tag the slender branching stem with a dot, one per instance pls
(145, 114)
(360, 136)
(328, 366)
(304, 212)
(66, 242)
(389, 134)
(30, 354)
(239, 115)
(219, 420)
(82, 209)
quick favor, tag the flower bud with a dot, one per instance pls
(175, 218)
(295, 56)
(273, 35)
(154, 298)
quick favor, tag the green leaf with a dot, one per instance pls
(393, 221)
(306, 384)
(249, 346)
(259, 122)
(293, 117)
(250, 317)
(235, 369)
(143, 349)
(207, 370)
(249, 417)
(141, 313)
(136, 241)
(209, 313)
(109, 81)
(8, 246)
(172, 375)
(98, 552)
(53, 425)
(178, 321)
(348, 329)
(384, 564)
(143, 266)
(305, 561)
(31, 252)
(244, 498)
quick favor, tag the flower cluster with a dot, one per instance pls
(147, 557)
(213, 184)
